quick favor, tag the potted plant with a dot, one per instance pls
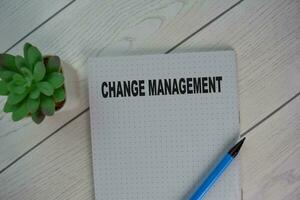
(34, 84)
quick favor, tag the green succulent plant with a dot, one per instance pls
(33, 84)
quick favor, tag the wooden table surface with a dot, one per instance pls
(53, 160)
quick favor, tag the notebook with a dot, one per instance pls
(159, 123)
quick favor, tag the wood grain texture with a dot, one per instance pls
(95, 28)
(19, 17)
(60, 168)
(270, 158)
(266, 38)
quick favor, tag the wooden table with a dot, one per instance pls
(53, 160)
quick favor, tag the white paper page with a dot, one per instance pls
(160, 147)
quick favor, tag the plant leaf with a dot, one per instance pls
(18, 79)
(6, 75)
(47, 105)
(19, 89)
(14, 88)
(45, 88)
(8, 107)
(38, 117)
(20, 112)
(33, 56)
(39, 71)
(27, 75)
(53, 64)
(59, 94)
(56, 79)
(26, 72)
(3, 88)
(20, 62)
(11, 86)
(35, 93)
(7, 61)
(14, 98)
(33, 104)
(17, 85)
(25, 51)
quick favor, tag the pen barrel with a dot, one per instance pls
(211, 179)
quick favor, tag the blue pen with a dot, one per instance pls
(217, 172)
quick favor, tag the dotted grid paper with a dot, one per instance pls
(160, 147)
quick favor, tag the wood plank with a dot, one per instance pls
(265, 37)
(97, 28)
(60, 168)
(20, 17)
(270, 159)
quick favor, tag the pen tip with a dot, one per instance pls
(242, 140)
(235, 150)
